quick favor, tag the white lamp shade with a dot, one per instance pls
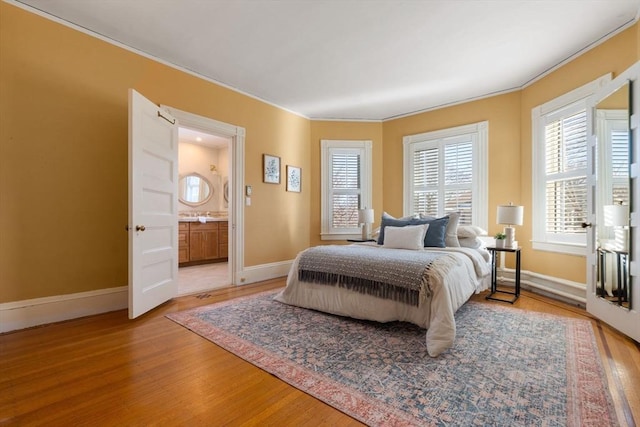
(365, 216)
(616, 215)
(510, 214)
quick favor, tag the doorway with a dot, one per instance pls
(235, 136)
(204, 168)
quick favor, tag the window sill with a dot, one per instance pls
(563, 248)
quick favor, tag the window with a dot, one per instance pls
(560, 171)
(346, 187)
(613, 156)
(446, 171)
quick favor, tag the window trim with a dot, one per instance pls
(366, 148)
(480, 166)
(578, 97)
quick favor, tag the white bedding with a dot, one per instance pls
(436, 314)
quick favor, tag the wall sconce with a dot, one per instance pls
(213, 169)
(365, 217)
(510, 215)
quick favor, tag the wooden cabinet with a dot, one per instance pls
(183, 242)
(223, 239)
(201, 243)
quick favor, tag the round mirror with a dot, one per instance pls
(194, 189)
(226, 191)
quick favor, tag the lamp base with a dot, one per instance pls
(365, 231)
(510, 239)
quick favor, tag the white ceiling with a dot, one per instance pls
(191, 136)
(356, 59)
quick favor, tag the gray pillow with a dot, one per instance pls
(451, 233)
(436, 232)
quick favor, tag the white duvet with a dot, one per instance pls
(436, 314)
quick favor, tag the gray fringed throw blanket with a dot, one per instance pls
(402, 276)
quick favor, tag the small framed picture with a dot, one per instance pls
(271, 166)
(294, 179)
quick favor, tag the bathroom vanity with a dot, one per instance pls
(202, 242)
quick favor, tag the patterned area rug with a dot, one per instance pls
(506, 368)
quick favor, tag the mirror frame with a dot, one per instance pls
(612, 112)
(195, 204)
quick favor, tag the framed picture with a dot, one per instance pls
(271, 166)
(294, 179)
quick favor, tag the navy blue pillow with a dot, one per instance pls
(435, 232)
(394, 222)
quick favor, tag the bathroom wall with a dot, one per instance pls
(199, 158)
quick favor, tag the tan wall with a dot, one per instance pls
(63, 157)
(363, 131)
(614, 56)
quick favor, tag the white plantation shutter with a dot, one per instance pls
(620, 166)
(425, 181)
(566, 174)
(446, 173)
(458, 179)
(346, 187)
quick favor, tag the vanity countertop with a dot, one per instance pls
(206, 218)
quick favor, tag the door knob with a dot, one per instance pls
(140, 228)
(586, 225)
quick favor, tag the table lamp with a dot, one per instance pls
(365, 217)
(617, 216)
(510, 215)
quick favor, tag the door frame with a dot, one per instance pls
(236, 179)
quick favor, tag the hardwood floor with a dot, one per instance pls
(108, 370)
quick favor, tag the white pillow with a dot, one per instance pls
(470, 242)
(408, 237)
(404, 218)
(470, 231)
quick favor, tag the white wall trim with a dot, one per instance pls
(17, 315)
(327, 148)
(561, 289)
(259, 273)
(555, 109)
(236, 179)
(39, 311)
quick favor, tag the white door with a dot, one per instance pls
(153, 205)
(613, 276)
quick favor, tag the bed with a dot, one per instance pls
(348, 286)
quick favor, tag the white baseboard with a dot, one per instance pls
(263, 272)
(560, 289)
(39, 311)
